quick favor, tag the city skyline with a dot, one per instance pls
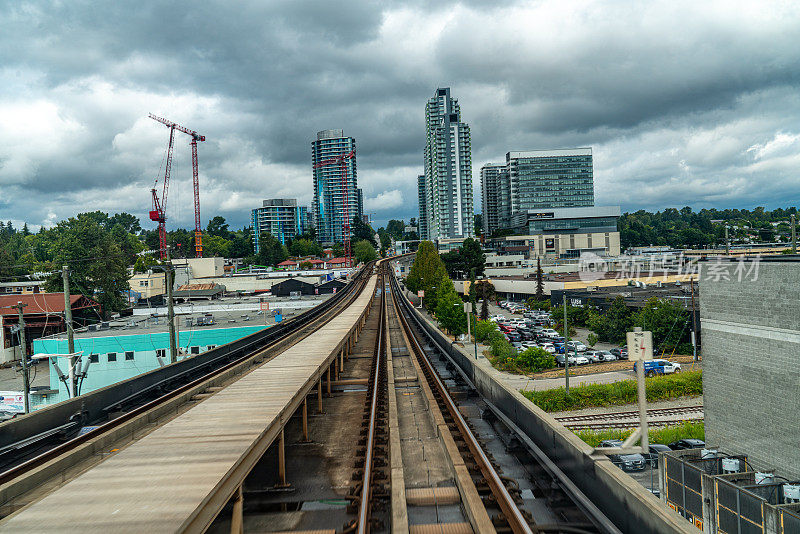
(668, 127)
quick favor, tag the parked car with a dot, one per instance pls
(550, 332)
(581, 360)
(513, 336)
(627, 462)
(659, 367)
(548, 347)
(652, 456)
(527, 335)
(621, 353)
(593, 355)
(687, 443)
(577, 345)
(560, 359)
(607, 356)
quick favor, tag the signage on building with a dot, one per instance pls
(550, 243)
(12, 401)
(541, 215)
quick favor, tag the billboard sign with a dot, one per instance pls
(12, 401)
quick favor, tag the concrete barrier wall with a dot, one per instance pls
(624, 501)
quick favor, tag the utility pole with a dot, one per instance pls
(642, 394)
(727, 242)
(566, 340)
(173, 346)
(794, 236)
(73, 380)
(694, 326)
(26, 388)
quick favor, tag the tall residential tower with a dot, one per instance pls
(333, 160)
(447, 209)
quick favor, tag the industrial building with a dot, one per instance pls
(280, 217)
(124, 349)
(447, 210)
(43, 314)
(336, 192)
(750, 313)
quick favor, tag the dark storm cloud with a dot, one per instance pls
(682, 103)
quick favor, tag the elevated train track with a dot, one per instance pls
(352, 419)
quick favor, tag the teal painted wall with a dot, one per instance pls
(143, 346)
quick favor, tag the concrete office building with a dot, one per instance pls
(448, 170)
(550, 179)
(750, 316)
(333, 201)
(493, 198)
(280, 217)
(423, 212)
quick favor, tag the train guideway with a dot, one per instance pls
(178, 477)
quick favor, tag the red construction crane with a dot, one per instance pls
(342, 161)
(159, 211)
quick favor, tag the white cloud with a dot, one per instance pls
(384, 201)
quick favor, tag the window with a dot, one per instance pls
(211, 347)
(112, 356)
(94, 358)
(129, 355)
(195, 350)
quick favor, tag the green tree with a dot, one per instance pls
(129, 222)
(427, 273)
(450, 310)
(361, 230)
(539, 280)
(216, 246)
(217, 227)
(535, 359)
(666, 319)
(304, 247)
(613, 325)
(473, 257)
(98, 266)
(484, 291)
(364, 252)
(396, 228)
(270, 251)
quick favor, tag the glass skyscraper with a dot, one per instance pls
(447, 207)
(331, 200)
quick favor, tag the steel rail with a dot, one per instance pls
(630, 415)
(512, 513)
(365, 508)
(62, 448)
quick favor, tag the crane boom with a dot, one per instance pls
(159, 208)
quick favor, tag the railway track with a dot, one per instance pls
(31, 457)
(655, 417)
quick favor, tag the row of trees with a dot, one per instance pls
(686, 228)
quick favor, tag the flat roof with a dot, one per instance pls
(583, 151)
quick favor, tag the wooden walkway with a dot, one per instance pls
(179, 476)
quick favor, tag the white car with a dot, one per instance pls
(549, 332)
(577, 345)
(548, 347)
(581, 360)
(607, 356)
(594, 355)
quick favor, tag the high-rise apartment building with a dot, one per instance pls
(333, 200)
(423, 212)
(280, 217)
(448, 170)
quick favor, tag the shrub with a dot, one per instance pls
(592, 339)
(484, 329)
(623, 392)
(535, 359)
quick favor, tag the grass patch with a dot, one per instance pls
(658, 388)
(665, 435)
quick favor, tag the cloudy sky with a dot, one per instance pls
(684, 102)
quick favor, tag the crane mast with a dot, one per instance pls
(158, 213)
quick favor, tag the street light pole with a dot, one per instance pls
(566, 340)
